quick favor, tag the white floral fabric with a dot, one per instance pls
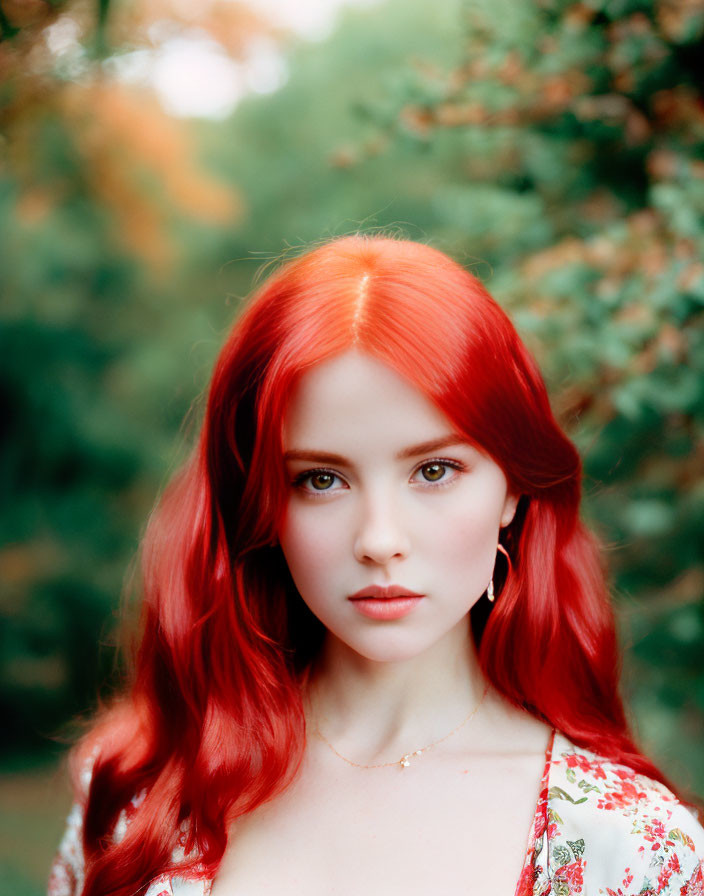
(599, 829)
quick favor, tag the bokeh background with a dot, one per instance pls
(157, 156)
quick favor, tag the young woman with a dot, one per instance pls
(377, 651)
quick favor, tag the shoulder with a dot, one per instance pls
(613, 831)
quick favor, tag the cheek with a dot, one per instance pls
(463, 538)
(309, 544)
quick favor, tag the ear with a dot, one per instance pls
(509, 511)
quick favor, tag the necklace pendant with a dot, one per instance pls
(405, 761)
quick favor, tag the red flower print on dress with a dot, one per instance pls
(695, 885)
(627, 795)
(669, 868)
(572, 875)
(577, 760)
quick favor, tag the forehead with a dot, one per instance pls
(353, 400)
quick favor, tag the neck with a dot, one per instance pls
(375, 709)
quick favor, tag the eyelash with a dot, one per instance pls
(298, 480)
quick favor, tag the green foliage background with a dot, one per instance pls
(555, 148)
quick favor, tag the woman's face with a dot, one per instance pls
(370, 504)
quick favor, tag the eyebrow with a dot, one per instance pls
(325, 457)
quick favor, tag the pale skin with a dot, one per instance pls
(456, 821)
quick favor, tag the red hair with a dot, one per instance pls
(213, 723)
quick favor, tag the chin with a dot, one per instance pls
(390, 652)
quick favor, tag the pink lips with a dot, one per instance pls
(385, 602)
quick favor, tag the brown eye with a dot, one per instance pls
(311, 482)
(437, 471)
(433, 472)
(322, 481)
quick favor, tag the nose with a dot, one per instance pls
(380, 535)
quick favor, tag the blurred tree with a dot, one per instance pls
(96, 182)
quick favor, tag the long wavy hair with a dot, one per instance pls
(212, 723)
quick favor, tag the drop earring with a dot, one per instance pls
(490, 590)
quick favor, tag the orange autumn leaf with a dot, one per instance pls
(142, 164)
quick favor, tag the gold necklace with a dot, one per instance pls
(405, 760)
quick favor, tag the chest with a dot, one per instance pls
(454, 827)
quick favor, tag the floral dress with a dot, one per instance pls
(599, 829)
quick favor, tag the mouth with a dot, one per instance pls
(383, 592)
(385, 603)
